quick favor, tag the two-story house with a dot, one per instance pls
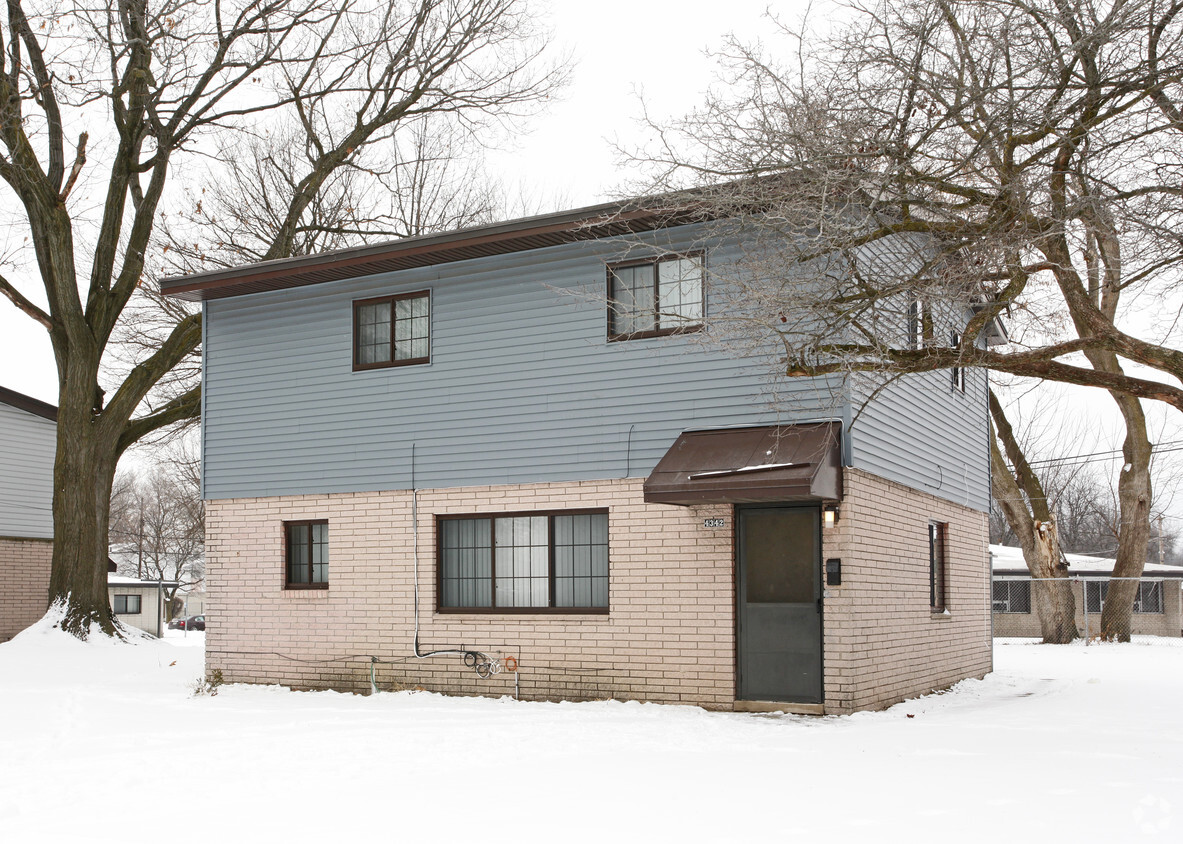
(507, 447)
(28, 442)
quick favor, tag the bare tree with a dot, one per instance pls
(158, 523)
(994, 158)
(148, 89)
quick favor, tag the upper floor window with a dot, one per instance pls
(307, 554)
(660, 296)
(392, 330)
(958, 372)
(532, 562)
(919, 324)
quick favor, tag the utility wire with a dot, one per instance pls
(1101, 456)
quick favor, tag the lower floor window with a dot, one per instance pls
(307, 554)
(937, 570)
(126, 604)
(1147, 600)
(1012, 596)
(529, 561)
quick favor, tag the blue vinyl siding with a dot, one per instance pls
(922, 433)
(28, 444)
(522, 386)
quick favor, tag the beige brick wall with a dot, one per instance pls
(883, 644)
(24, 583)
(670, 635)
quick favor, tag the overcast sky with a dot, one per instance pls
(622, 49)
(569, 155)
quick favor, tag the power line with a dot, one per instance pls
(1102, 456)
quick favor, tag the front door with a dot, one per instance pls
(779, 604)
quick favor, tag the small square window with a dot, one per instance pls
(306, 555)
(392, 331)
(1012, 596)
(652, 298)
(126, 604)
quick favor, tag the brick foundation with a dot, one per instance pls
(24, 582)
(669, 636)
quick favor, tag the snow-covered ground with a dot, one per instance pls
(105, 742)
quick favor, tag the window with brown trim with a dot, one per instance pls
(126, 604)
(656, 297)
(306, 554)
(938, 533)
(392, 330)
(524, 562)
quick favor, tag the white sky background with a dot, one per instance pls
(570, 156)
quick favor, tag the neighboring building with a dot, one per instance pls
(1158, 606)
(192, 602)
(28, 443)
(138, 603)
(434, 441)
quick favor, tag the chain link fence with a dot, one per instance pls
(1157, 607)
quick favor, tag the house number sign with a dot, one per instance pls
(714, 523)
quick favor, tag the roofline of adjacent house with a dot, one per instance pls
(28, 404)
(589, 223)
(144, 583)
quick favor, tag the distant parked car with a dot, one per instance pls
(193, 622)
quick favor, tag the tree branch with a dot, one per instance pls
(22, 303)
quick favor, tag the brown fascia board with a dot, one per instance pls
(597, 221)
(28, 404)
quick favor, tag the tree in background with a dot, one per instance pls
(999, 158)
(158, 523)
(103, 107)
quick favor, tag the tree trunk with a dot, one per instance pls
(1023, 501)
(83, 472)
(1134, 495)
(1054, 601)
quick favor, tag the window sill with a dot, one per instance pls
(317, 589)
(940, 614)
(533, 611)
(659, 332)
(366, 367)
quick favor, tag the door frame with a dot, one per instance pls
(816, 506)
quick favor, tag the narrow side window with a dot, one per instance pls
(937, 565)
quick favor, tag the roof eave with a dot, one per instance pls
(521, 235)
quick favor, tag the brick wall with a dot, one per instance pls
(24, 583)
(670, 635)
(883, 644)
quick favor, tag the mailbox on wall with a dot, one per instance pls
(834, 572)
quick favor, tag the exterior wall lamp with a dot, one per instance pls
(830, 515)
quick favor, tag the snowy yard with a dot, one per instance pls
(100, 742)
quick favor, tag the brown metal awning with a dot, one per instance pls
(750, 466)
